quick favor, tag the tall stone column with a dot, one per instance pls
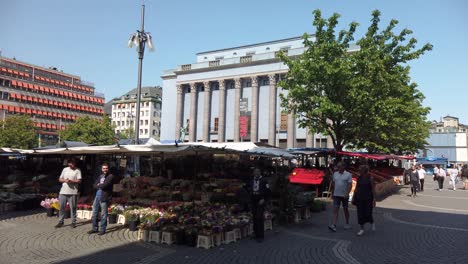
(207, 112)
(309, 139)
(238, 91)
(222, 111)
(179, 111)
(254, 114)
(272, 115)
(291, 141)
(193, 113)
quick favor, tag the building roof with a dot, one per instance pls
(448, 116)
(253, 45)
(147, 91)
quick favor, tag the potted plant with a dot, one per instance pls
(113, 212)
(132, 219)
(191, 235)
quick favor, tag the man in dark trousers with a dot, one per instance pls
(260, 195)
(104, 185)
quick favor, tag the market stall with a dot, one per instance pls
(184, 193)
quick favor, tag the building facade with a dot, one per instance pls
(232, 95)
(52, 98)
(448, 139)
(123, 112)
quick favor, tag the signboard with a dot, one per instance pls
(244, 118)
(244, 126)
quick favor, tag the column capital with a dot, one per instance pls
(254, 80)
(206, 85)
(193, 87)
(237, 83)
(272, 78)
(222, 84)
(179, 88)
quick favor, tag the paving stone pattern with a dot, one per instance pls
(431, 228)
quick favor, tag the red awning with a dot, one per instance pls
(375, 156)
(306, 176)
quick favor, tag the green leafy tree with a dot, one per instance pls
(360, 95)
(90, 131)
(18, 131)
(127, 133)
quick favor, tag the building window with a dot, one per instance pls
(154, 132)
(146, 131)
(146, 122)
(284, 121)
(321, 143)
(216, 124)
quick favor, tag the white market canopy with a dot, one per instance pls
(180, 149)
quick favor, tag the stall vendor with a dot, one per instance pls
(260, 194)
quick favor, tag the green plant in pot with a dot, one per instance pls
(132, 219)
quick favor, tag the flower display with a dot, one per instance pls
(115, 209)
(50, 203)
(84, 206)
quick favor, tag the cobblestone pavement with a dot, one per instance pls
(431, 228)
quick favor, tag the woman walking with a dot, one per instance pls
(453, 177)
(364, 198)
(441, 177)
(414, 181)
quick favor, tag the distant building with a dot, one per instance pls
(123, 112)
(448, 139)
(232, 95)
(52, 98)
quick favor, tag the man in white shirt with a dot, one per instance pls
(422, 175)
(342, 184)
(70, 179)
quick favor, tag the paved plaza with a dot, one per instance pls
(431, 228)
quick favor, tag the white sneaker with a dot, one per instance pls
(347, 226)
(360, 233)
(373, 226)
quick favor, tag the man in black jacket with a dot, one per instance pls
(104, 185)
(260, 194)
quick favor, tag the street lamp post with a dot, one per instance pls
(139, 40)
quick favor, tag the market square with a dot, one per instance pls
(233, 132)
(408, 231)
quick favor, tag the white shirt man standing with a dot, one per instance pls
(342, 184)
(70, 179)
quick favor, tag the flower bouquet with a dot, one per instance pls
(50, 204)
(113, 211)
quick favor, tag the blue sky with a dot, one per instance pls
(88, 37)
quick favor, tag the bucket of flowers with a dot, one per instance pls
(50, 204)
(113, 211)
(132, 218)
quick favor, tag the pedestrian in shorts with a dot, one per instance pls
(341, 184)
